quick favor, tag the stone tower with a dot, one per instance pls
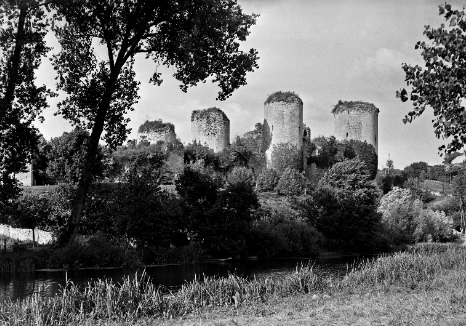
(211, 127)
(358, 121)
(283, 122)
(155, 131)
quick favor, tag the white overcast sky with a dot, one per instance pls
(325, 51)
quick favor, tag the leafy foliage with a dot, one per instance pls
(291, 183)
(66, 155)
(326, 151)
(440, 83)
(414, 170)
(344, 207)
(22, 46)
(280, 96)
(267, 180)
(148, 126)
(198, 39)
(405, 221)
(241, 175)
(31, 211)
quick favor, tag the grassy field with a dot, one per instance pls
(424, 286)
(438, 186)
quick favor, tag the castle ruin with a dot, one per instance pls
(211, 127)
(283, 124)
(155, 131)
(358, 121)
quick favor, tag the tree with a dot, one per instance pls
(291, 183)
(440, 84)
(389, 165)
(198, 38)
(31, 211)
(66, 156)
(326, 149)
(344, 207)
(23, 27)
(414, 170)
(267, 180)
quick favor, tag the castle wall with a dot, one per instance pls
(26, 178)
(358, 125)
(283, 123)
(211, 128)
(164, 134)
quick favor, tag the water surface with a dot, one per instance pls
(48, 282)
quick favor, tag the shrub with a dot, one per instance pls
(291, 183)
(280, 96)
(399, 212)
(267, 180)
(241, 174)
(284, 238)
(433, 226)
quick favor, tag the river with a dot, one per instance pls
(49, 282)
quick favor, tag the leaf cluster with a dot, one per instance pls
(440, 83)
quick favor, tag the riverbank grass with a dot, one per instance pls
(423, 286)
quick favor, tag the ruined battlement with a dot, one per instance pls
(356, 120)
(155, 131)
(211, 127)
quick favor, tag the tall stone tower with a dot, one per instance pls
(358, 121)
(211, 127)
(283, 122)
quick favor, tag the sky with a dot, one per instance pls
(323, 50)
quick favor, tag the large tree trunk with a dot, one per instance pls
(33, 238)
(14, 63)
(85, 181)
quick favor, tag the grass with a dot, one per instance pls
(438, 186)
(423, 286)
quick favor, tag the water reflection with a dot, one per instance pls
(48, 282)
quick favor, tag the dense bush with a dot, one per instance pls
(284, 238)
(267, 180)
(433, 226)
(241, 174)
(291, 183)
(399, 213)
(344, 207)
(218, 219)
(405, 221)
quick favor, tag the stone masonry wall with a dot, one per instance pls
(356, 124)
(283, 123)
(26, 178)
(163, 134)
(211, 127)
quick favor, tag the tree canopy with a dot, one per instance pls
(23, 25)
(197, 38)
(440, 84)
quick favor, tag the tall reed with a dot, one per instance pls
(136, 297)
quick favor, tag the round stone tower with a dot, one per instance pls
(358, 121)
(211, 127)
(283, 122)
